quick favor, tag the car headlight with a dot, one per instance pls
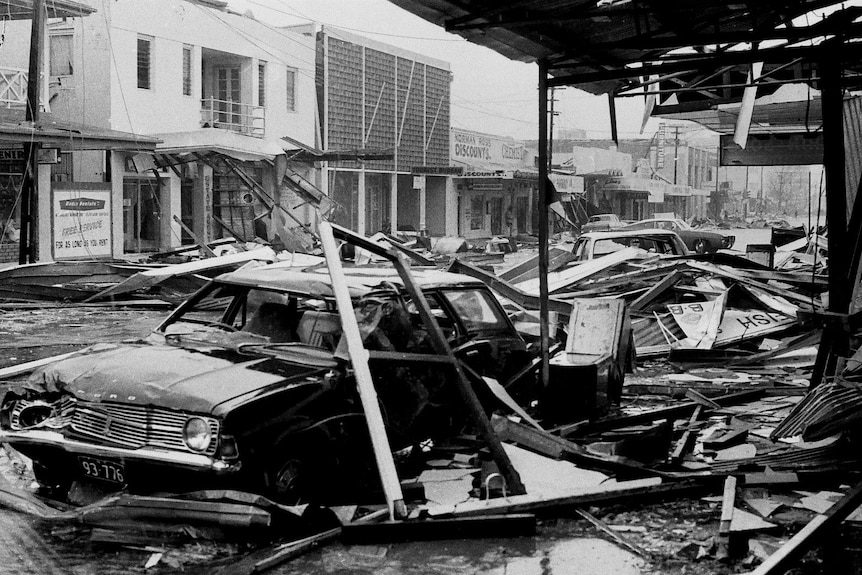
(196, 434)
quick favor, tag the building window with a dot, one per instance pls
(477, 212)
(291, 90)
(261, 83)
(60, 54)
(144, 57)
(187, 70)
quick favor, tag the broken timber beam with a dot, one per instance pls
(646, 298)
(520, 297)
(578, 496)
(364, 382)
(797, 545)
(684, 442)
(604, 528)
(441, 346)
(509, 525)
(203, 246)
(675, 412)
(559, 448)
(465, 389)
(727, 504)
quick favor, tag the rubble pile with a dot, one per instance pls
(714, 454)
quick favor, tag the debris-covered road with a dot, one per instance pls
(700, 469)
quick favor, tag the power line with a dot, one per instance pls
(296, 13)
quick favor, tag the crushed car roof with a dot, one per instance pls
(360, 281)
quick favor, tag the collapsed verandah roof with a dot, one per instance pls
(70, 136)
(700, 51)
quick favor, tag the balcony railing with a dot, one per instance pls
(13, 87)
(227, 115)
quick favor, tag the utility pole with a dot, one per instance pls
(30, 187)
(675, 152)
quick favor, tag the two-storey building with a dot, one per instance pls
(218, 89)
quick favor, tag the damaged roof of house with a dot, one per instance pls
(701, 51)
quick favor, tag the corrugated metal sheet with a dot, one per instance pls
(828, 409)
(853, 148)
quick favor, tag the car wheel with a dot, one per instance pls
(700, 246)
(299, 471)
(289, 481)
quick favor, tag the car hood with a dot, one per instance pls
(169, 377)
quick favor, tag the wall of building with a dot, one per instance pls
(102, 89)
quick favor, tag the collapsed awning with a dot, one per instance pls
(69, 136)
(300, 152)
(216, 140)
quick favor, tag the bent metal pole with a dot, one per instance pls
(359, 360)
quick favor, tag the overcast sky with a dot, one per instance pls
(490, 93)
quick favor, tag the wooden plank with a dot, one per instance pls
(787, 294)
(606, 493)
(21, 368)
(203, 246)
(684, 442)
(675, 412)
(809, 535)
(485, 526)
(441, 346)
(559, 448)
(465, 388)
(701, 399)
(727, 503)
(655, 291)
(364, 382)
(604, 528)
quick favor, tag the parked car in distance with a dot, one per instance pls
(246, 386)
(596, 244)
(602, 223)
(698, 241)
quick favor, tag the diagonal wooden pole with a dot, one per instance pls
(468, 394)
(359, 361)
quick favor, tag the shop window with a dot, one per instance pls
(477, 212)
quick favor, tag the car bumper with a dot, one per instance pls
(56, 441)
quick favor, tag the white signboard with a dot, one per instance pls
(82, 223)
(735, 325)
(482, 150)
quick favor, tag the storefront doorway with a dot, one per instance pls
(142, 213)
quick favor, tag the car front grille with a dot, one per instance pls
(136, 426)
(130, 426)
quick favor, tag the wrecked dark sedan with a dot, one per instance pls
(247, 385)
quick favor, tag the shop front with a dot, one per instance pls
(631, 199)
(497, 189)
(78, 195)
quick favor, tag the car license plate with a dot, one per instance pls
(102, 469)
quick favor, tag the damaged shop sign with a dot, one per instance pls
(709, 324)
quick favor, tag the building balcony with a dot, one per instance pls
(13, 88)
(235, 116)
